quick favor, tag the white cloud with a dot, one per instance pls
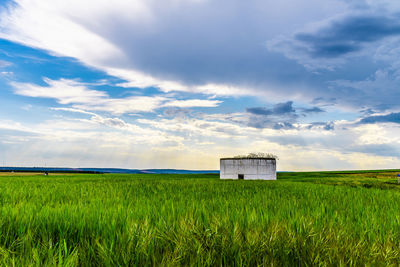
(225, 90)
(65, 91)
(73, 110)
(14, 126)
(49, 25)
(124, 105)
(82, 98)
(7, 73)
(141, 80)
(4, 63)
(176, 143)
(193, 103)
(210, 47)
(207, 47)
(190, 127)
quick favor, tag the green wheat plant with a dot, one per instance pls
(324, 219)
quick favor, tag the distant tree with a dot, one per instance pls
(258, 155)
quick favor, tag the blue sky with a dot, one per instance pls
(181, 83)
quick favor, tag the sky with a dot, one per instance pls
(182, 83)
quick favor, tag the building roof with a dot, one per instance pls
(248, 158)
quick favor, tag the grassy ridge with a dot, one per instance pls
(103, 220)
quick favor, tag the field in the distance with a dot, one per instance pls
(316, 218)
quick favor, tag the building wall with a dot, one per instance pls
(252, 169)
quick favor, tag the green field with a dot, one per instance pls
(315, 218)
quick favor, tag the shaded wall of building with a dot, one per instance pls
(251, 169)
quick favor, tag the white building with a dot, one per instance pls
(248, 168)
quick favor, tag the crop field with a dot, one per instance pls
(315, 218)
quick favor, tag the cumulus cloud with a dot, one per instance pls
(368, 139)
(281, 116)
(392, 117)
(328, 126)
(172, 142)
(336, 137)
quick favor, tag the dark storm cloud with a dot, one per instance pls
(261, 123)
(347, 35)
(328, 126)
(278, 109)
(355, 57)
(313, 110)
(259, 111)
(282, 109)
(392, 117)
(280, 116)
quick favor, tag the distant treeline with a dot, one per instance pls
(103, 170)
(53, 170)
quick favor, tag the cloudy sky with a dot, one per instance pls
(181, 83)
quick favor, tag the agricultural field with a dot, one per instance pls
(314, 218)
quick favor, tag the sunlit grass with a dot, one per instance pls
(104, 220)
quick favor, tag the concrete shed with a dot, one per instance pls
(248, 168)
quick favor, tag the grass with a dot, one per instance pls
(21, 174)
(320, 218)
